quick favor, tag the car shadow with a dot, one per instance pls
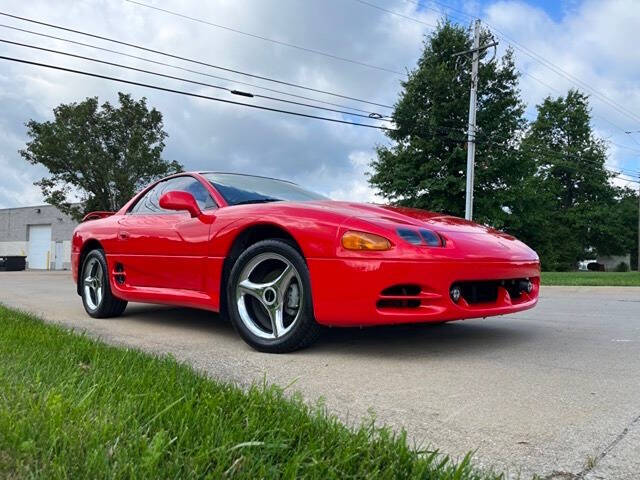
(419, 340)
(192, 319)
(456, 338)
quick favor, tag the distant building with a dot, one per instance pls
(612, 262)
(41, 233)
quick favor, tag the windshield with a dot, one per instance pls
(240, 189)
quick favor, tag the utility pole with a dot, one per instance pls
(471, 131)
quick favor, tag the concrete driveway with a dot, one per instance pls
(549, 391)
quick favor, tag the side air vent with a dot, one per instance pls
(118, 274)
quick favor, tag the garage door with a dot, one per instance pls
(39, 246)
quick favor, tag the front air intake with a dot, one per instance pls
(476, 292)
(402, 290)
(400, 296)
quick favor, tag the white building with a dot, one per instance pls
(41, 233)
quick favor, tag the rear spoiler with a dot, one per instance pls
(97, 215)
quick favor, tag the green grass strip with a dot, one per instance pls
(592, 279)
(73, 407)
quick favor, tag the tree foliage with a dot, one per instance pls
(571, 184)
(425, 166)
(100, 154)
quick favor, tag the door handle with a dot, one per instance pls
(123, 235)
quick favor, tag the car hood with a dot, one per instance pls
(407, 216)
(474, 240)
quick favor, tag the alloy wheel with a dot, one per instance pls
(93, 283)
(269, 296)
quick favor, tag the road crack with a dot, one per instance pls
(593, 463)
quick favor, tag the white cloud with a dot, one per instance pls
(358, 189)
(594, 42)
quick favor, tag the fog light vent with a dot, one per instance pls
(455, 293)
(526, 286)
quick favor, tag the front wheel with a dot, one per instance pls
(269, 298)
(97, 298)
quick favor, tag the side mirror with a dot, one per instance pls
(181, 201)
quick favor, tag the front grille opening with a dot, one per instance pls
(487, 291)
(398, 303)
(513, 287)
(479, 292)
(402, 290)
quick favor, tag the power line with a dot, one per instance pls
(436, 131)
(625, 146)
(521, 48)
(581, 159)
(548, 86)
(266, 39)
(559, 71)
(198, 62)
(177, 67)
(363, 2)
(206, 97)
(540, 59)
(190, 94)
(416, 2)
(232, 91)
(420, 4)
(593, 115)
(556, 153)
(513, 43)
(630, 134)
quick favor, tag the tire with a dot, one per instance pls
(95, 289)
(269, 298)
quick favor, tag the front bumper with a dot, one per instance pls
(348, 292)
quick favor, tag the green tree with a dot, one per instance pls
(425, 164)
(101, 155)
(572, 187)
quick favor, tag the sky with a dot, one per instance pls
(593, 42)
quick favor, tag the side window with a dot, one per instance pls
(199, 192)
(149, 203)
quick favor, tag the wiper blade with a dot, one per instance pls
(257, 200)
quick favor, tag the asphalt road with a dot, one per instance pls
(540, 392)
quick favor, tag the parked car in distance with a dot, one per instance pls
(281, 261)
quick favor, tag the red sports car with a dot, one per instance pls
(281, 261)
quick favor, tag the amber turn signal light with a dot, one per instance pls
(353, 240)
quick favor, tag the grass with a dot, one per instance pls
(610, 279)
(72, 407)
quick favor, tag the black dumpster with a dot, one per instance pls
(12, 263)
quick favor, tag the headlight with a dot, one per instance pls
(353, 240)
(420, 237)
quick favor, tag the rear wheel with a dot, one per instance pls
(269, 298)
(97, 298)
